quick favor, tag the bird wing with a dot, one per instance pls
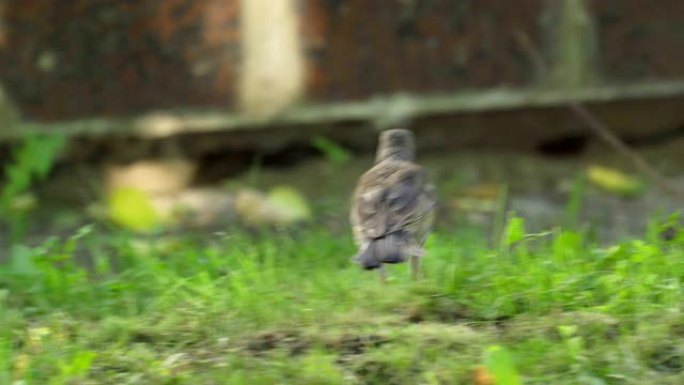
(396, 197)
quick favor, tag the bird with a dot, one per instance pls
(393, 206)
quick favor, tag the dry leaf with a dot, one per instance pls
(482, 377)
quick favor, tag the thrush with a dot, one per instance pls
(393, 206)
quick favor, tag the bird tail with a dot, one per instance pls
(388, 249)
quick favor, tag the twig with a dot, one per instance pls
(597, 126)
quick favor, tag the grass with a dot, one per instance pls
(290, 308)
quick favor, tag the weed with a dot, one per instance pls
(290, 308)
(333, 152)
(32, 162)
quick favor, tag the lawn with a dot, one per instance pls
(276, 307)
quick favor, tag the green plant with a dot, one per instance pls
(32, 161)
(500, 216)
(275, 307)
(73, 368)
(574, 203)
(499, 363)
(335, 153)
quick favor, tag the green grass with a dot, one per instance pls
(290, 308)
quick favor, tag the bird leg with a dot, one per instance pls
(382, 273)
(415, 267)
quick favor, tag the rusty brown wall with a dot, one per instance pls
(369, 47)
(67, 59)
(640, 39)
(366, 47)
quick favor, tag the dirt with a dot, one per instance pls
(537, 186)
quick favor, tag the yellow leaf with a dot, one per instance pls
(614, 181)
(291, 205)
(132, 209)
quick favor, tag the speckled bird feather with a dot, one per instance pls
(392, 208)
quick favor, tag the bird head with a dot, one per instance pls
(396, 144)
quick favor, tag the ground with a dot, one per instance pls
(289, 308)
(569, 303)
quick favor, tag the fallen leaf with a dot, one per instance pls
(292, 206)
(615, 181)
(132, 209)
(482, 198)
(482, 377)
(282, 206)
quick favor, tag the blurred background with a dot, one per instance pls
(210, 113)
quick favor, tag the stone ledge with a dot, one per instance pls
(379, 111)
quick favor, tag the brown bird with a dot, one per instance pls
(393, 206)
